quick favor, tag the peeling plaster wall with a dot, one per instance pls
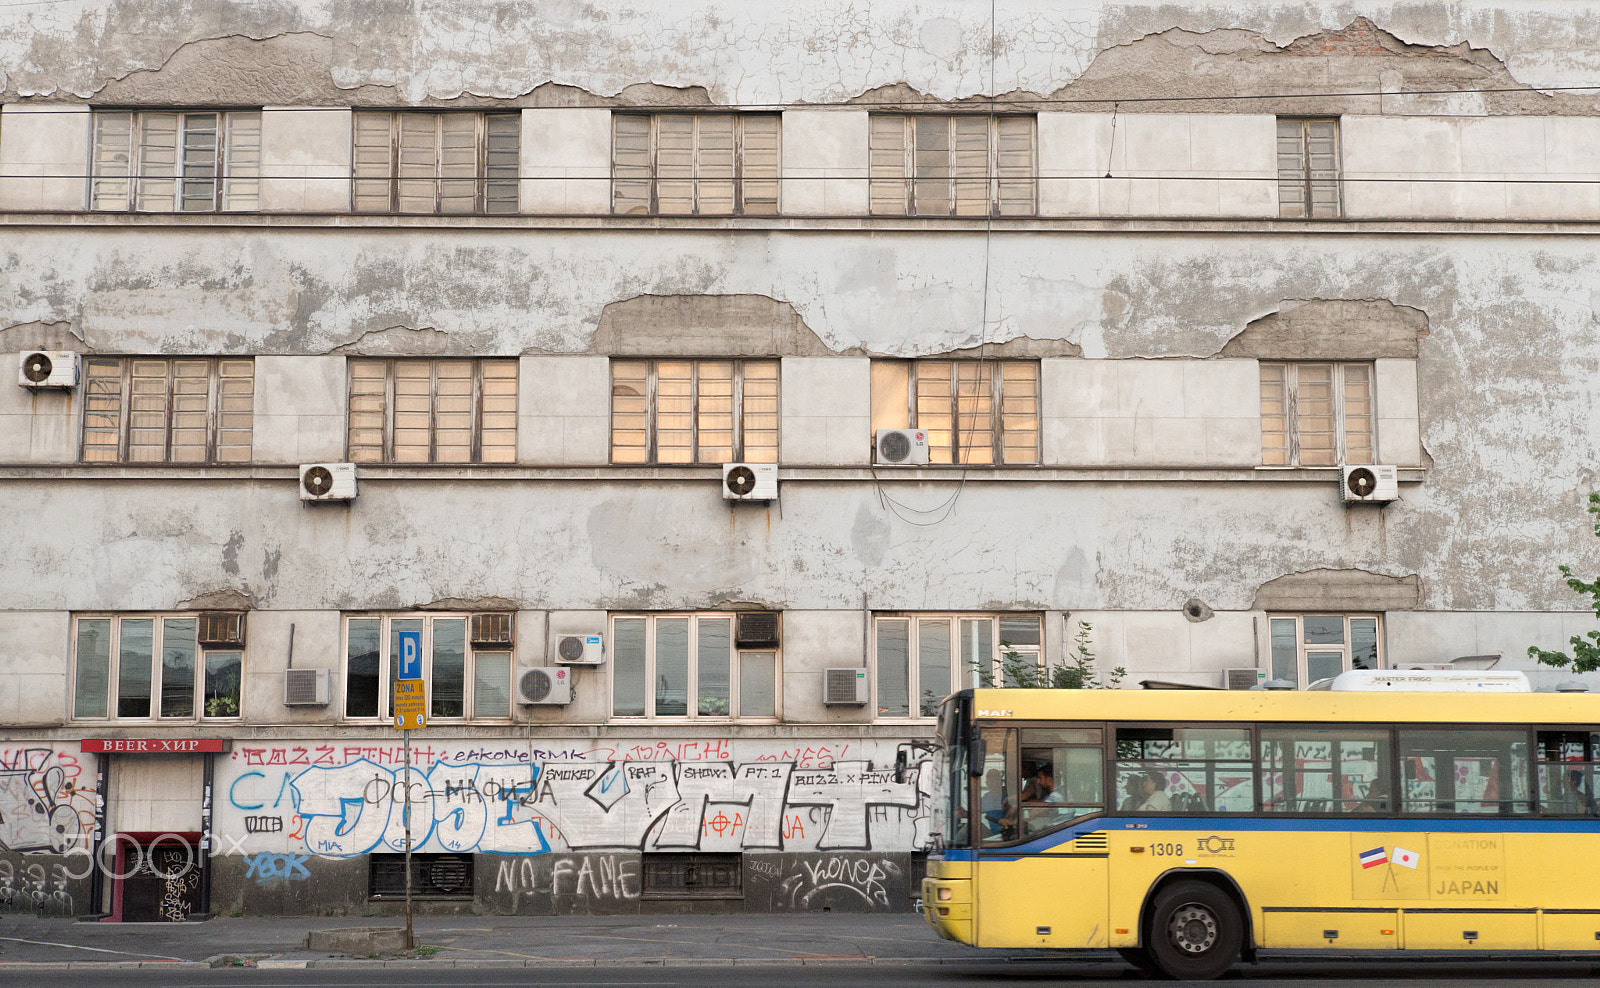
(729, 51)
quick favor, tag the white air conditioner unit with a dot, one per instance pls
(1369, 485)
(1243, 679)
(327, 481)
(305, 687)
(544, 685)
(895, 447)
(844, 687)
(580, 650)
(48, 369)
(750, 481)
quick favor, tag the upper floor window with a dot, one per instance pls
(462, 674)
(433, 411)
(1309, 647)
(165, 162)
(425, 162)
(974, 411)
(156, 668)
(143, 410)
(1316, 414)
(1308, 167)
(707, 164)
(692, 665)
(952, 165)
(694, 411)
(923, 658)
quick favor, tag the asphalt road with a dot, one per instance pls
(1487, 974)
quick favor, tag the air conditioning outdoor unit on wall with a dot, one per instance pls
(305, 687)
(544, 685)
(750, 481)
(580, 649)
(844, 687)
(48, 369)
(1243, 679)
(900, 447)
(328, 482)
(1369, 485)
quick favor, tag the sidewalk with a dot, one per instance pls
(496, 941)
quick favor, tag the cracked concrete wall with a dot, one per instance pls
(305, 52)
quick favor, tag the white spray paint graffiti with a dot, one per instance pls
(47, 799)
(345, 802)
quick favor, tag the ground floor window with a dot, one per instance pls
(922, 658)
(690, 666)
(1309, 647)
(466, 678)
(154, 667)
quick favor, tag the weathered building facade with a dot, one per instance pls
(1144, 282)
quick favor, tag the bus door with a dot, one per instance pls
(1035, 887)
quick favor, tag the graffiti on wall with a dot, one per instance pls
(340, 801)
(47, 799)
(36, 887)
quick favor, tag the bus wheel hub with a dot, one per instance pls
(1194, 929)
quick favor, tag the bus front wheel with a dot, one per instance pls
(1195, 931)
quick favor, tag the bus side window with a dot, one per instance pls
(1325, 770)
(1185, 770)
(1480, 772)
(1566, 772)
(1062, 770)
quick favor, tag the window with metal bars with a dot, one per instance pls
(184, 162)
(433, 411)
(1308, 167)
(423, 162)
(707, 164)
(1316, 414)
(143, 410)
(952, 165)
(980, 412)
(694, 411)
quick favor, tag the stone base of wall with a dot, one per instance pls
(43, 884)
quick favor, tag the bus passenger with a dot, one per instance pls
(1147, 793)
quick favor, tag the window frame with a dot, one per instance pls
(215, 414)
(1303, 176)
(881, 190)
(692, 671)
(739, 453)
(740, 203)
(1293, 446)
(388, 449)
(886, 416)
(487, 175)
(232, 171)
(386, 662)
(1303, 649)
(158, 642)
(963, 673)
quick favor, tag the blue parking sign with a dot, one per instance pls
(410, 655)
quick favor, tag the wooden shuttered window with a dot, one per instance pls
(176, 162)
(141, 410)
(1308, 168)
(683, 164)
(978, 411)
(433, 411)
(694, 411)
(1316, 414)
(952, 165)
(424, 162)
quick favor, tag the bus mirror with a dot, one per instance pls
(977, 752)
(900, 766)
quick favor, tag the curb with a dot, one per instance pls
(354, 964)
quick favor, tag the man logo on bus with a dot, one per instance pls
(1215, 845)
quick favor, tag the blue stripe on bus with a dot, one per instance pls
(1136, 825)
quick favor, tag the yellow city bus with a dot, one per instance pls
(1189, 830)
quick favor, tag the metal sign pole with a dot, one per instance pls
(410, 940)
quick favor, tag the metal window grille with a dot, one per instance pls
(695, 164)
(1308, 168)
(952, 165)
(1316, 414)
(698, 875)
(433, 411)
(141, 410)
(694, 411)
(425, 162)
(176, 161)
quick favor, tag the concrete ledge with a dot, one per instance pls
(360, 941)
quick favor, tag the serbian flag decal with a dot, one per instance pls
(1373, 858)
